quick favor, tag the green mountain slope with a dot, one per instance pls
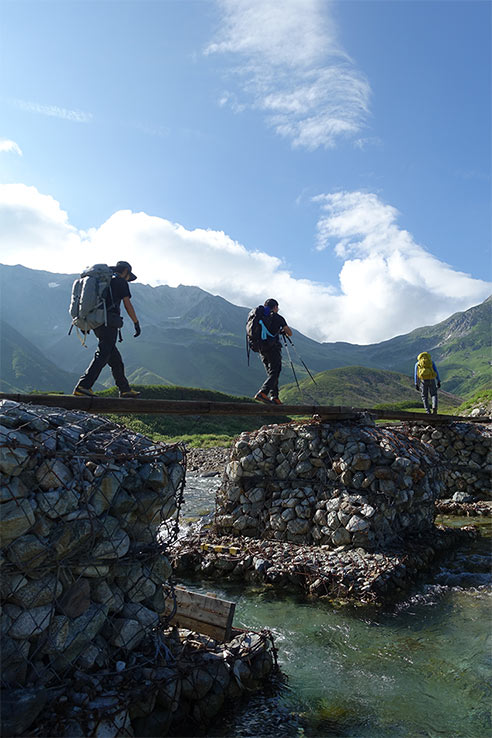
(190, 337)
(24, 368)
(359, 387)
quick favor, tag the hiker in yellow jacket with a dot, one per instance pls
(426, 378)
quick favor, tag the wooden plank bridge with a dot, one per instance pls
(140, 406)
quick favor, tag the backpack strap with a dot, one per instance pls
(265, 333)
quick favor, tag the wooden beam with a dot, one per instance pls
(140, 406)
(202, 613)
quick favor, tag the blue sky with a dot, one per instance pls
(335, 155)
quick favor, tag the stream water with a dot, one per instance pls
(419, 668)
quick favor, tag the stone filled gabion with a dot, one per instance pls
(465, 451)
(332, 484)
(85, 508)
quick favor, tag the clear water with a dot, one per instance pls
(421, 668)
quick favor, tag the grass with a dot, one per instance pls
(198, 431)
(481, 397)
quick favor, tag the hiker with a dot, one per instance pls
(106, 352)
(426, 378)
(270, 350)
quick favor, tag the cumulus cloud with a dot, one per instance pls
(7, 145)
(388, 283)
(292, 66)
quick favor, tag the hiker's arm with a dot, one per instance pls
(130, 309)
(286, 330)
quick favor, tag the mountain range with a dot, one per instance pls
(195, 339)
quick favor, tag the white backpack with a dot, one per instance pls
(88, 301)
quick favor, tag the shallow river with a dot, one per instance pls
(420, 668)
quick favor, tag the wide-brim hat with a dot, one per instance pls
(120, 266)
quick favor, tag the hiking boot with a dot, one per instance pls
(276, 401)
(80, 391)
(262, 397)
(130, 394)
(434, 410)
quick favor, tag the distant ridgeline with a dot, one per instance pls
(195, 339)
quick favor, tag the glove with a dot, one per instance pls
(417, 387)
(438, 385)
(137, 329)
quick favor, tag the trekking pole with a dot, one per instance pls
(292, 366)
(297, 354)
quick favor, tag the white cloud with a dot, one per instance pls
(7, 145)
(292, 67)
(78, 116)
(388, 283)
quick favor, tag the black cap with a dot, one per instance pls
(121, 266)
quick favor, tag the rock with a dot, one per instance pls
(37, 591)
(16, 518)
(115, 543)
(82, 631)
(28, 624)
(126, 633)
(77, 599)
(13, 490)
(13, 460)
(356, 524)
(20, 708)
(27, 552)
(341, 537)
(56, 503)
(53, 474)
(196, 684)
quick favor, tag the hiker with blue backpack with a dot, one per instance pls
(264, 327)
(427, 380)
(95, 305)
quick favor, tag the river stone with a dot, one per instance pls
(157, 478)
(196, 684)
(13, 490)
(111, 596)
(82, 631)
(28, 552)
(356, 524)
(160, 571)
(107, 487)
(76, 599)
(53, 474)
(20, 708)
(16, 518)
(30, 623)
(126, 633)
(134, 582)
(10, 584)
(149, 504)
(57, 636)
(37, 592)
(12, 461)
(71, 537)
(56, 503)
(148, 619)
(14, 662)
(340, 537)
(115, 543)
(298, 527)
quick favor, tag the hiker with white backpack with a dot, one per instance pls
(95, 305)
(427, 380)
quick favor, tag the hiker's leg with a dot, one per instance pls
(107, 340)
(272, 361)
(433, 394)
(118, 370)
(424, 391)
(276, 368)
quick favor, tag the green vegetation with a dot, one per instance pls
(359, 386)
(197, 430)
(482, 397)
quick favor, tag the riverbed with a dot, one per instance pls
(419, 668)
